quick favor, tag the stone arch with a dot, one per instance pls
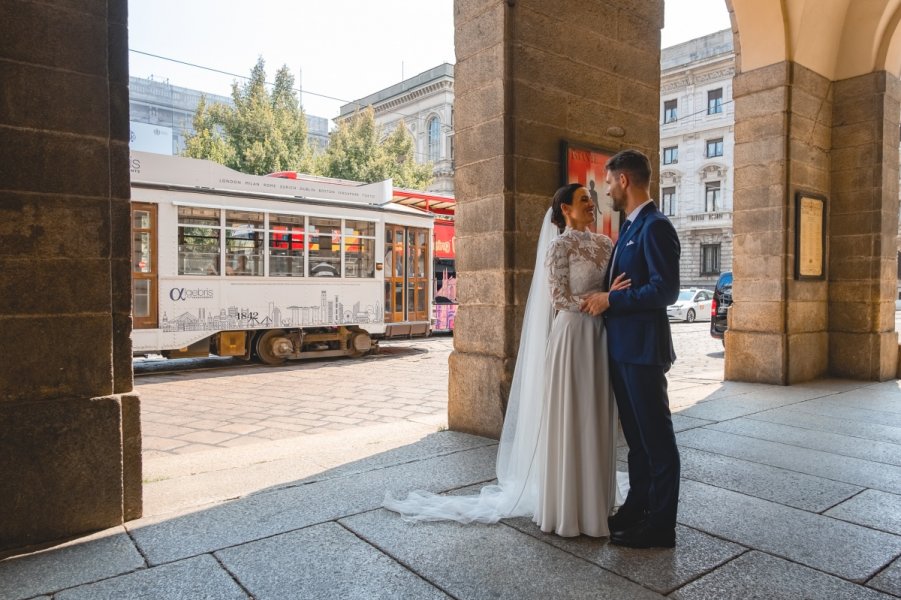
(838, 40)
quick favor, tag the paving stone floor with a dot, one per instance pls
(787, 492)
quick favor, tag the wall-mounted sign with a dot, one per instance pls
(810, 236)
(585, 164)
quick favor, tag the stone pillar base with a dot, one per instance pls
(867, 356)
(68, 467)
(477, 394)
(754, 357)
(808, 357)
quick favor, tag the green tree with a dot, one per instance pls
(401, 156)
(358, 150)
(207, 141)
(263, 132)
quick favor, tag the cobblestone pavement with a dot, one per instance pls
(196, 410)
(201, 409)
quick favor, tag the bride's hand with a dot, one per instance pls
(620, 283)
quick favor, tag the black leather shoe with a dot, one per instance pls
(643, 535)
(625, 518)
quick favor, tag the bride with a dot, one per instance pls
(556, 460)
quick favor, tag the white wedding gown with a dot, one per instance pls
(556, 458)
(576, 448)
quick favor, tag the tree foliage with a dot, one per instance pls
(263, 132)
(359, 150)
(266, 132)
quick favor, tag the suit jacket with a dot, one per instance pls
(638, 330)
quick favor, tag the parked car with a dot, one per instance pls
(719, 309)
(691, 305)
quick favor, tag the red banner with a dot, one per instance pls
(444, 239)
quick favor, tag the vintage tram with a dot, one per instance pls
(241, 265)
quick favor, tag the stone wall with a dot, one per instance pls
(529, 75)
(864, 224)
(70, 447)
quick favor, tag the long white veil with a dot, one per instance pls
(518, 455)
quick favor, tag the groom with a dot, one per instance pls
(641, 352)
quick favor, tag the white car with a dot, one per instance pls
(692, 305)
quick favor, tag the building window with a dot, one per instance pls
(668, 201)
(710, 259)
(670, 111)
(715, 101)
(671, 155)
(712, 196)
(434, 139)
(714, 147)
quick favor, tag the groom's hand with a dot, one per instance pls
(595, 304)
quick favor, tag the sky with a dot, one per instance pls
(338, 50)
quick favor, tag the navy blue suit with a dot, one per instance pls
(641, 351)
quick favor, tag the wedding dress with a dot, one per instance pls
(578, 488)
(556, 457)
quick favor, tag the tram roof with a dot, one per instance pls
(427, 201)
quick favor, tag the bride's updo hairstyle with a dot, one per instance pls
(563, 196)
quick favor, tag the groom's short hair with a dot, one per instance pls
(633, 163)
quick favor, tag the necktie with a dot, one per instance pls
(624, 226)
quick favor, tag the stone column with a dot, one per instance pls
(70, 443)
(529, 75)
(797, 131)
(863, 228)
(783, 126)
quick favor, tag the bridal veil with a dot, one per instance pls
(518, 459)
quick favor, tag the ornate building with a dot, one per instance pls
(425, 103)
(696, 145)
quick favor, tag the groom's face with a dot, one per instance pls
(615, 189)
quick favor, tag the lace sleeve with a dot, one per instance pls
(557, 265)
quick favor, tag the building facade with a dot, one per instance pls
(425, 103)
(696, 153)
(161, 116)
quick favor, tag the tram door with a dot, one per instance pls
(407, 276)
(143, 266)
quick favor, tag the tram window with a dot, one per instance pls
(416, 253)
(325, 247)
(286, 241)
(199, 232)
(243, 243)
(359, 249)
(141, 295)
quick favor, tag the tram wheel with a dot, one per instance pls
(271, 346)
(359, 344)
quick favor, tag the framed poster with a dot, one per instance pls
(585, 164)
(810, 235)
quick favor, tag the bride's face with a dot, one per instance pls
(580, 214)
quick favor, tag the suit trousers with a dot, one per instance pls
(654, 466)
